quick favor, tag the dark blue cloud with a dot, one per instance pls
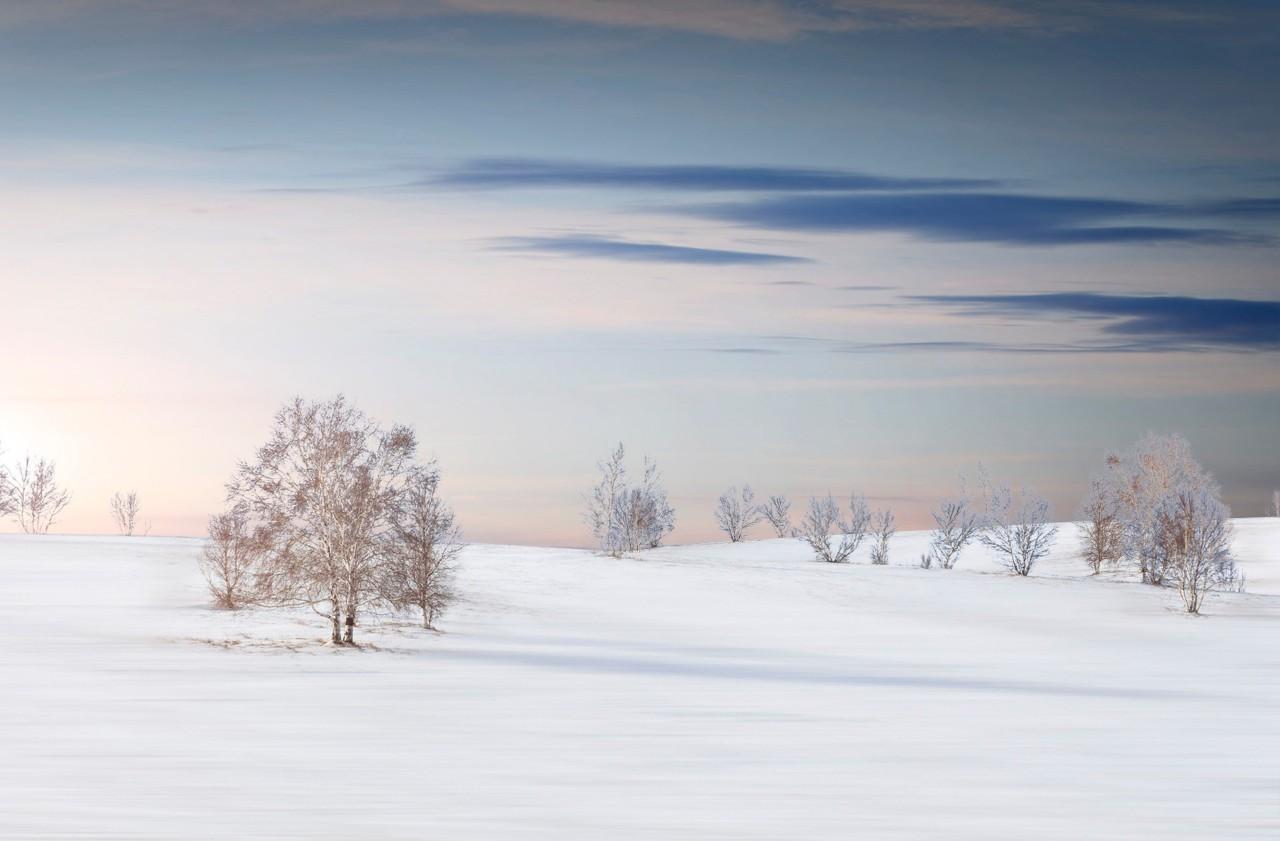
(519, 172)
(985, 217)
(1155, 322)
(605, 248)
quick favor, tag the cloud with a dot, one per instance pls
(749, 20)
(1009, 219)
(606, 248)
(1166, 322)
(494, 173)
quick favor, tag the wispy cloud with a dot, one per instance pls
(507, 173)
(1011, 219)
(751, 20)
(1153, 322)
(606, 248)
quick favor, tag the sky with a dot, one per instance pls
(816, 247)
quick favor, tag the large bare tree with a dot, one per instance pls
(39, 498)
(1101, 532)
(425, 541)
(325, 487)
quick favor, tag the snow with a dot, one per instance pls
(710, 691)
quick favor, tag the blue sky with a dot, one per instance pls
(856, 244)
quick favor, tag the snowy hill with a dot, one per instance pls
(709, 691)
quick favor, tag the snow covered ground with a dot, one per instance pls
(708, 691)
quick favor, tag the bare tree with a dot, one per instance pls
(426, 542)
(882, 529)
(1136, 481)
(232, 558)
(1019, 533)
(957, 525)
(625, 518)
(735, 513)
(124, 511)
(1193, 539)
(823, 517)
(326, 486)
(40, 500)
(777, 510)
(8, 493)
(1101, 533)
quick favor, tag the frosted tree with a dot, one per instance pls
(1136, 482)
(1193, 540)
(625, 518)
(957, 525)
(425, 545)
(823, 518)
(1275, 503)
(777, 511)
(1101, 532)
(40, 500)
(736, 512)
(1017, 530)
(124, 512)
(882, 530)
(231, 561)
(325, 488)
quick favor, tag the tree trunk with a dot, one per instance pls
(336, 618)
(350, 637)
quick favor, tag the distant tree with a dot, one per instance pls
(124, 511)
(1101, 532)
(957, 525)
(425, 546)
(232, 559)
(823, 517)
(625, 518)
(40, 499)
(1019, 532)
(8, 493)
(1275, 503)
(736, 513)
(1193, 542)
(777, 510)
(882, 529)
(325, 490)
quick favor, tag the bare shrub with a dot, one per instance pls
(124, 512)
(777, 511)
(1101, 532)
(1193, 541)
(40, 500)
(735, 513)
(1019, 532)
(426, 543)
(957, 525)
(882, 529)
(625, 518)
(823, 517)
(232, 558)
(325, 488)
